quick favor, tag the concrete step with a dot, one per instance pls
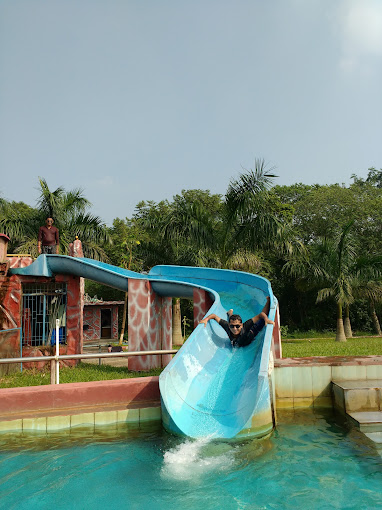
(367, 421)
(376, 437)
(358, 395)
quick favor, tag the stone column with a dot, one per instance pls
(10, 317)
(74, 316)
(202, 303)
(4, 262)
(149, 325)
(75, 250)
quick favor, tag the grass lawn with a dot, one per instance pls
(323, 344)
(327, 346)
(84, 372)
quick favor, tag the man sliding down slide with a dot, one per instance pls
(242, 334)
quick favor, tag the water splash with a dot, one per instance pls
(194, 458)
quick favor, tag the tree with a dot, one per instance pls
(69, 211)
(325, 265)
(372, 291)
(127, 237)
(321, 210)
(334, 267)
(236, 232)
(374, 178)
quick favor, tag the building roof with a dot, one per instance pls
(103, 303)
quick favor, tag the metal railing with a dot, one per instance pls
(55, 360)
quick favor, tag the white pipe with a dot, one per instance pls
(89, 356)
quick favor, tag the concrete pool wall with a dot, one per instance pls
(307, 382)
(298, 383)
(56, 407)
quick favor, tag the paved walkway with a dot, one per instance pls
(95, 346)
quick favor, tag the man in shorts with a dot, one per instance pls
(242, 334)
(48, 238)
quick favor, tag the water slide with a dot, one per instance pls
(209, 389)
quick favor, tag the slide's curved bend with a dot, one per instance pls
(209, 388)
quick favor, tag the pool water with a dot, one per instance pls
(311, 461)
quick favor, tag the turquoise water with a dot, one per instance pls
(311, 461)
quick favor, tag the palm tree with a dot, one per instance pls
(232, 233)
(196, 229)
(372, 291)
(325, 265)
(335, 268)
(69, 211)
(337, 262)
(367, 284)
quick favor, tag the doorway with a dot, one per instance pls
(106, 330)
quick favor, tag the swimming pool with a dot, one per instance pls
(310, 461)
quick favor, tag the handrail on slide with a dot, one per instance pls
(209, 388)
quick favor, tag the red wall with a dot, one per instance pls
(92, 318)
(78, 395)
(11, 315)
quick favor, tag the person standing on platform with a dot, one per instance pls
(48, 238)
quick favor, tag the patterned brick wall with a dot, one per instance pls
(149, 325)
(20, 261)
(92, 319)
(202, 303)
(114, 322)
(11, 316)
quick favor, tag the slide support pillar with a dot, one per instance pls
(149, 325)
(202, 303)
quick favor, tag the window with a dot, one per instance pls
(42, 305)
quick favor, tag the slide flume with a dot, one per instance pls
(209, 389)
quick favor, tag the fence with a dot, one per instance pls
(55, 360)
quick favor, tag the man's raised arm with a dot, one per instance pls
(206, 319)
(264, 313)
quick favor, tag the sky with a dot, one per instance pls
(136, 100)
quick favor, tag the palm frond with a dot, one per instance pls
(246, 194)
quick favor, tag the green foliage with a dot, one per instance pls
(321, 210)
(374, 178)
(69, 211)
(127, 237)
(253, 227)
(329, 347)
(233, 232)
(95, 289)
(83, 372)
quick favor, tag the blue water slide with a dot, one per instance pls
(209, 388)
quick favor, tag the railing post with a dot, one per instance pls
(52, 371)
(57, 351)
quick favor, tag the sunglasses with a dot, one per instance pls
(236, 326)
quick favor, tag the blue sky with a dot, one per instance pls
(137, 100)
